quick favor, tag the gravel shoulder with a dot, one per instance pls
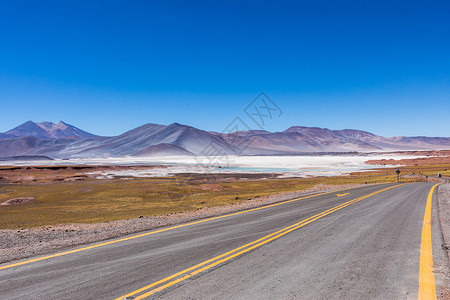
(444, 214)
(25, 243)
(442, 253)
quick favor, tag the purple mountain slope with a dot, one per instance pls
(300, 139)
(18, 146)
(5, 136)
(61, 140)
(190, 139)
(48, 130)
(163, 150)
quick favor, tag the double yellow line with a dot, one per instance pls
(176, 278)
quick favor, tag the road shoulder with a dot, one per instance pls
(441, 241)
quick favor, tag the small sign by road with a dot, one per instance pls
(398, 174)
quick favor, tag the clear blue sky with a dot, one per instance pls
(110, 66)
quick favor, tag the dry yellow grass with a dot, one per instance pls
(98, 201)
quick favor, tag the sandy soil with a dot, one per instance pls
(313, 164)
(435, 157)
(19, 244)
(47, 174)
(55, 174)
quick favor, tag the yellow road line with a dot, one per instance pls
(217, 257)
(427, 288)
(192, 271)
(161, 230)
(340, 195)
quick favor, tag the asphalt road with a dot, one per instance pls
(362, 243)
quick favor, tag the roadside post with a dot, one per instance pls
(398, 175)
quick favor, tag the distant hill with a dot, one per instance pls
(62, 140)
(47, 130)
(25, 158)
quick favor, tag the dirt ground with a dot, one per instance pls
(434, 157)
(68, 173)
(26, 242)
(23, 243)
(62, 173)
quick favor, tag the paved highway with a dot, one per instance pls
(371, 242)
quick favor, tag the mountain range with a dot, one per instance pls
(62, 140)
